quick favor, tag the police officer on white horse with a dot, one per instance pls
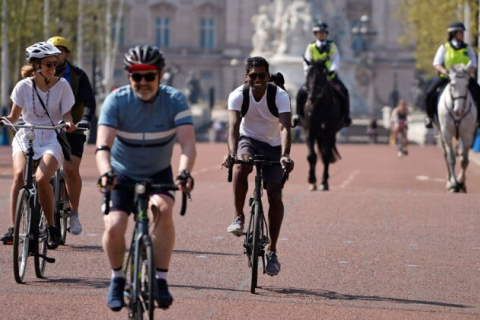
(454, 51)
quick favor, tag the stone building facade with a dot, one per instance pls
(211, 38)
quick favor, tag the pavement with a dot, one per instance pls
(387, 242)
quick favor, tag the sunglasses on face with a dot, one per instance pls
(149, 77)
(260, 76)
(50, 64)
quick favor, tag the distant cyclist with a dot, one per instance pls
(40, 85)
(82, 112)
(399, 119)
(259, 132)
(138, 126)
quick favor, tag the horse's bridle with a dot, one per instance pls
(450, 112)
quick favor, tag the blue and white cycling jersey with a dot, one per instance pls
(146, 132)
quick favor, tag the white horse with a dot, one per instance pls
(457, 117)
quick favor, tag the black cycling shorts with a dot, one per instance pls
(123, 200)
(251, 147)
(76, 141)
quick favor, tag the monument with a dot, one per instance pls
(283, 29)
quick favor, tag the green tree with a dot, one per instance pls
(425, 25)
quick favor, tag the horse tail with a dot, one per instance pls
(335, 153)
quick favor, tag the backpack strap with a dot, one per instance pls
(246, 100)
(271, 95)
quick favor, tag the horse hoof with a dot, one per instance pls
(453, 189)
(313, 187)
(462, 188)
(324, 187)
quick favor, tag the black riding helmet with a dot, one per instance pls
(456, 26)
(321, 26)
(143, 55)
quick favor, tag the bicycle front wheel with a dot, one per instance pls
(21, 236)
(41, 244)
(258, 212)
(142, 277)
(62, 207)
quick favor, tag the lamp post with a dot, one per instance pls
(394, 95)
(234, 64)
(362, 37)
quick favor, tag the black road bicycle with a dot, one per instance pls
(140, 263)
(256, 237)
(30, 230)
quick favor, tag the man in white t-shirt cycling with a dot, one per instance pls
(259, 132)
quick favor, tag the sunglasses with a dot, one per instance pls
(260, 76)
(50, 64)
(149, 77)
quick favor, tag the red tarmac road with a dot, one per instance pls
(387, 242)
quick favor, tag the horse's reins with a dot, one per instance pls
(450, 112)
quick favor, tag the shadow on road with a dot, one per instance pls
(206, 253)
(332, 295)
(204, 288)
(95, 283)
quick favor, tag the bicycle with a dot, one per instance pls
(62, 202)
(256, 237)
(140, 263)
(30, 230)
(401, 138)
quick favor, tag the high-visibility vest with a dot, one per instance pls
(328, 54)
(455, 56)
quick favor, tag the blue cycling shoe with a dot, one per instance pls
(115, 294)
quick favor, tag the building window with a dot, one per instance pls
(163, 32)
(207, 33)
(121, 40)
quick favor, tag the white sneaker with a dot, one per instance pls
(236, 227)
(75, 225)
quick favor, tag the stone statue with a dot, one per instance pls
(262, 38)
(295, 28)
(192, 88)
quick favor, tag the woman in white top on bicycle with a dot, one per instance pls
(39, 83)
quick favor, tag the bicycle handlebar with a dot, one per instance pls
(33, 126)
(233, 161)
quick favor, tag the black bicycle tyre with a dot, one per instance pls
(64, 211)
(22, 228)
(41, 246)
(256, 245)
(135, 311)
(147, 276)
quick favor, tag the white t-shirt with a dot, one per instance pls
(259, 123)
(60, 101)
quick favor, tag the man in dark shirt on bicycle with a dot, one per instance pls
(138, 126)
(259, 132)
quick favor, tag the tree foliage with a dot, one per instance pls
(425, 25)
(25, 27)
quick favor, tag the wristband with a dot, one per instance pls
(102, 148)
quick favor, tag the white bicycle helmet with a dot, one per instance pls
(41, 50)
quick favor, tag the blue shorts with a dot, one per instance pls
(124, 200)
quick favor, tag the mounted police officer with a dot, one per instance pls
(322, 49)
(453, 52)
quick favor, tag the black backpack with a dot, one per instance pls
(279, 81)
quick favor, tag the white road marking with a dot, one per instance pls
(476, 248)
(91, 235)
(218, 237)
(422, 178)
(343, 262)
(349, 179)
(283, 239)
(348, 242)
(413, 266)
(413, 245)
(201, 257)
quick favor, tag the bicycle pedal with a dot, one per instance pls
(47, 259)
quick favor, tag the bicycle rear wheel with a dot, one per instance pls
(256, 244)
(21, 236)
(41, 245)
(62, 206)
